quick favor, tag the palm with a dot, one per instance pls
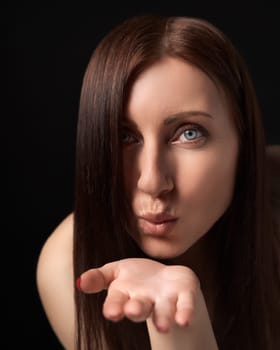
(143, 288)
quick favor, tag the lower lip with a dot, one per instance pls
(157, 229)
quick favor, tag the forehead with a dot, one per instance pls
(170, 86)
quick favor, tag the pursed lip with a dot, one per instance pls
(158, 218)
(156, 224)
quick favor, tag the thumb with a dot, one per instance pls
(97, 279)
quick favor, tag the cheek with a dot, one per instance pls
(130, 173)
(207, 181)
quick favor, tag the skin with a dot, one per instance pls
(187, 174)
(190, 177)
(169, 298)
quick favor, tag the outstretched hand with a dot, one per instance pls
(140, 289)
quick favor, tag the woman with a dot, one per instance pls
(174, 240)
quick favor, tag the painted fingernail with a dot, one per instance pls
(78, 283)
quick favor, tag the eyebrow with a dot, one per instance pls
(174, 118)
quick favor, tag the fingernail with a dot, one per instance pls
(78, 283)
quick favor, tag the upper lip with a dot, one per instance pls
(157, 218)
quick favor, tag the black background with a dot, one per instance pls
(48, 50)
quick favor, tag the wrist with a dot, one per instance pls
(198, 334)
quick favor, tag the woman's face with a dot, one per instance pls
(180, 151)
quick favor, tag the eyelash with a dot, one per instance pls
(127, 133)
(186, 127)
(179, 132)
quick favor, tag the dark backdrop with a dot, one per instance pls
(49, 48)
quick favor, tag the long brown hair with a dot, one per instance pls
(247, 246)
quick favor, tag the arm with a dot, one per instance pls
(55, 282)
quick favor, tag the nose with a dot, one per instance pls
(155, 172)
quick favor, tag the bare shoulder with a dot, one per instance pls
(54, 278)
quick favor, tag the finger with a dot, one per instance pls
(95, 280)
(113, 307)
(138, 309)
(163, 314)
(185, 308)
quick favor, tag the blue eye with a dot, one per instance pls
(190, 134)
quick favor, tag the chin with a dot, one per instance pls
(162, 251)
